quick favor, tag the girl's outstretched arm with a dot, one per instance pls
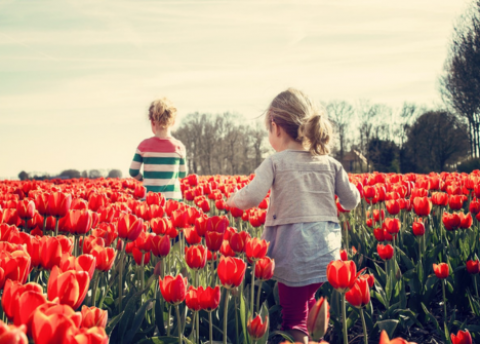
(252, 194)
(348, 194)
(135, 166)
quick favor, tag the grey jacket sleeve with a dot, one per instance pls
(252, 194)
(348, 194)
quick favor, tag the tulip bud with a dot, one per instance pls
(318, 318)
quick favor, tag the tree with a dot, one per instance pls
(23, 175)
(70, 174)
(94, 174)
(340, 114)
(383, 155)
(436, 139)
(114, 174)
(460, 85)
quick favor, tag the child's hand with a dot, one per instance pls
(230, 201)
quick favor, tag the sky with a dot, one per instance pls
(77, 77)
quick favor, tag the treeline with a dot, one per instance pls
(72, 173)
(407, 139)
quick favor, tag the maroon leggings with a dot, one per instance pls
(296, 302)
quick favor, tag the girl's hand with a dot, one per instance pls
(230, 201)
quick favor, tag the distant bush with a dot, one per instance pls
(469, 165)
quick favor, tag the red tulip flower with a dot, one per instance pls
(393, 207)
(256, 327)
(191, 236)
(392, 225)
(93, 316)
(238, 241)
(473, 266)
(440, 198)
(213, 240)
(343, 255)
(264, 269)
(209, 298)
(385, 251)
(318, 319)
(52, 250)
(231, 271)
(11, 334)
(19, 301)
(161, 246)
(155, 198)
(58, 204)
(14, 266)
(52, 328)
(129, 227)
(369, 278)
(217, 224)
(466, 221)
(342, 275)
(462, 337)
(418, 228)
(451, 221)
(104, 257)
(359, 295)
(70, 287)
(196, 257)
(139, 192)
(173, 289)
(192, 299)
(256, 249)
(474, 207)
(441, 270)
(26, 209)
(422, 206)
(455, 202)
(84, 262)
(180, 218)
(385, 340)
(41, 203)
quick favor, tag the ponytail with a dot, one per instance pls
(302, 120)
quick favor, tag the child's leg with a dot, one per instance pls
(296, 303)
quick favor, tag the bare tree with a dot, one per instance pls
(340, 114)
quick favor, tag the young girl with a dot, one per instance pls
(302, 224)
(162, 155)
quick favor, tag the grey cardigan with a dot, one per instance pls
(303, 188)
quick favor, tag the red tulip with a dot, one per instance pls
(26, 209)
(196, 257)
(231, 271)
(392, 225)
(192, 299)
(180, 218)
(191, 236)
(466, 221)
(104, 257)
(264, 269)
(129, 227)
(474, 207)
(97, 201)
(161, 246)
(451, 221)
(52, 250)
(209, 298)
(342, 275)
(52, 328)
(155, 198)
(213, 240)
(441, 270)
(174, 290)
(440, 198)
(418, 228)
(19, 301)
(84, 262)
(58, 204)
(393, 207)
(473, 266)
(70, 287)
(93, 335)
(238, 241)
(462, 337)
(422, 206)
(14, 266)
(217, 224)
(343, 255)
(455, 202)
(93, 316)
(256, 327)
(236, 213)
(201, 225)
(359, 295)
(11, 334)
(369, 278)
(139, 192)
(41, 203)
(385, 251)
(385, 340)
(318, 319)
(137, 256)
(256, 248)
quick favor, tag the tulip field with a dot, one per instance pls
(97, 261)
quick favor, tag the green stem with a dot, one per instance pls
(225, 316)
(83, 243)
(168, 320)
(236, 319)
(252, 289)
(44, 224)
(210, 326)
(56, 225)
(95, 286)
(180, 331)
(444, 302)
(365, 335)
(258, 296)
(475, 284)
(120, 278)
(344, 319)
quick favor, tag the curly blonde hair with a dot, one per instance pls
(301, 119)
(162, 112)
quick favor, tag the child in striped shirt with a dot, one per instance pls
(163, 156)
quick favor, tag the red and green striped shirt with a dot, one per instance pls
(164, 162)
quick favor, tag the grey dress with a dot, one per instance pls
(302, 251)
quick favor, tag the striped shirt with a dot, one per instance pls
(164, 162)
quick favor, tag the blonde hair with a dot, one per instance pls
(301, 119)
(162, 112)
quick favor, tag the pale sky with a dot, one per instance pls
(77, 77)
